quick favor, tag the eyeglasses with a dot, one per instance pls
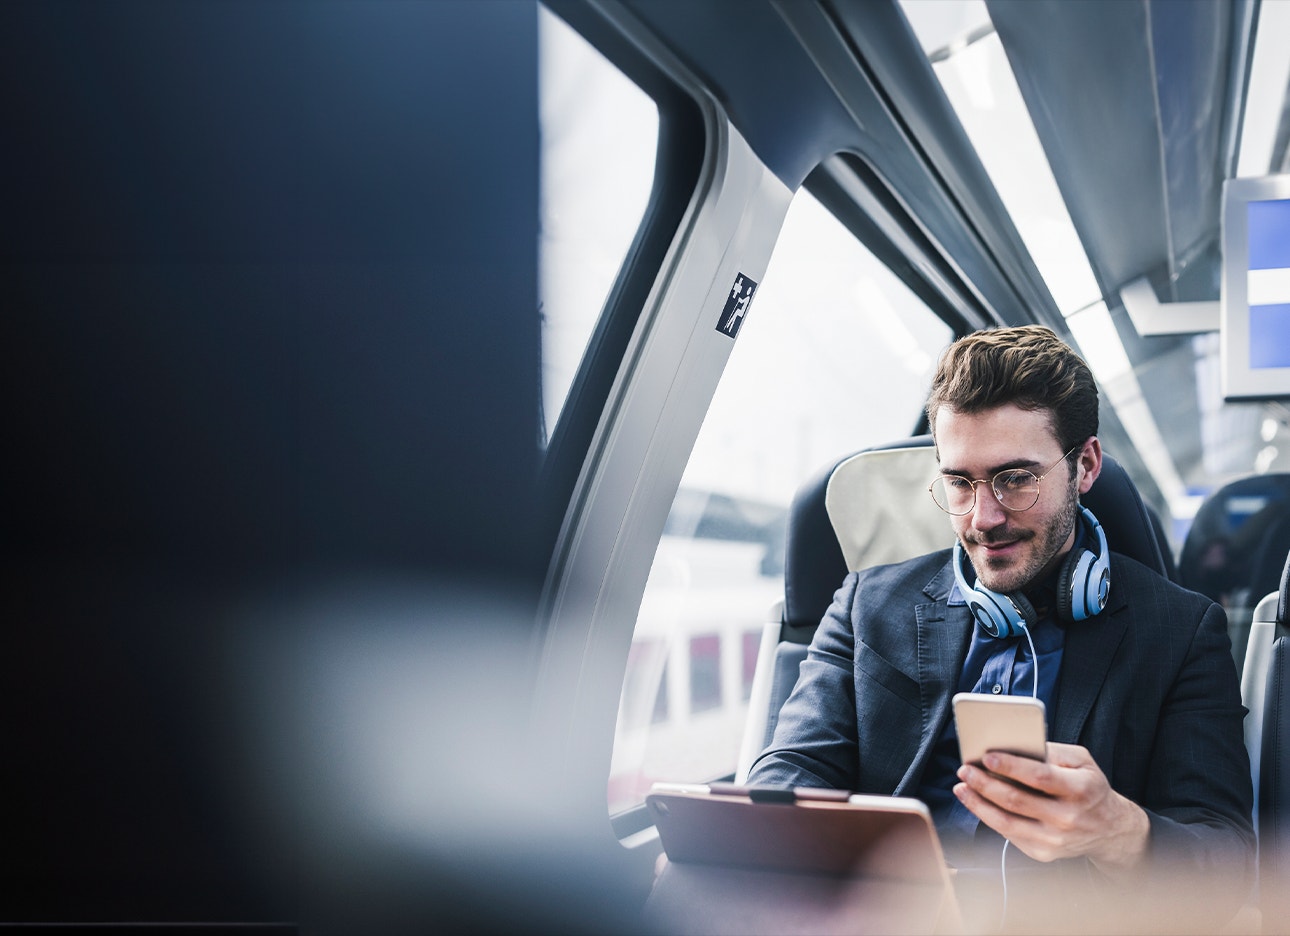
(1014, 489)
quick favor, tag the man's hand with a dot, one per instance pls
(1068, 810)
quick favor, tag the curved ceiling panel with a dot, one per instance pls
(1131, 105)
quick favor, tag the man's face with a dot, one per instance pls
(1009, 549)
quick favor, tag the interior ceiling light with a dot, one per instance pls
(1008, 146)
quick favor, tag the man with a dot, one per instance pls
(1146, 788)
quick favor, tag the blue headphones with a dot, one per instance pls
(1083, 587)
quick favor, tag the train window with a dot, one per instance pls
(599, 136)
(837, 354)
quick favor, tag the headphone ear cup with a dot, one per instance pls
(1064, 611)
(998, 615)
(1084, 583)
(1024, 608)
(1091, 586)
(1001, 615)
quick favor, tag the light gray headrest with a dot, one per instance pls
(880, 510)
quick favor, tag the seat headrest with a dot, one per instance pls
(1130, 525)
(880, 510)
(872, 508)
(864, 509)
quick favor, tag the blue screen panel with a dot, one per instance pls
(1270, 335)
(1269, 234)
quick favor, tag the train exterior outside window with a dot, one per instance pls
(836, 354)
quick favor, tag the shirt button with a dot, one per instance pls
(996, 688)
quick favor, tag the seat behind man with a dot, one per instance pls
(1265, 689)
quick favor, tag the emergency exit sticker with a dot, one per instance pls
(732, 316)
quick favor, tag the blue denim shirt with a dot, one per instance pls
(999, 666)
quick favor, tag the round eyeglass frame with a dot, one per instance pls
(931, 488)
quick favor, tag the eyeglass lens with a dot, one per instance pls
(1015, 489)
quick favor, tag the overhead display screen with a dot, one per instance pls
(1256, 288)
(1268, 283)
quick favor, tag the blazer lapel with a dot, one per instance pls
(1086, 659)
(944, 631)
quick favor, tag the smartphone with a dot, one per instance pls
(1014, 724)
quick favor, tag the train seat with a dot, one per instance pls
(1267, 626)
(1272, 766)
(870, 508)
(1236, 547)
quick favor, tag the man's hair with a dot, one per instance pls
(1028, 366)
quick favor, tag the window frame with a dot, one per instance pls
(679, 156)
(878, 223)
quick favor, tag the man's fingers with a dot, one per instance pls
(1026, 833)
(1049, 776)
(997, 818)
(1055, 808)
(1004, 793)
(1027, 771)
(1068, 755)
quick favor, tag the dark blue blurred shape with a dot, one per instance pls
(268, 276)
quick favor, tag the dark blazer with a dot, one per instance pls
(1148, 686)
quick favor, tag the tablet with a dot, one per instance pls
(801, 830)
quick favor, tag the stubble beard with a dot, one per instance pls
(1002, 575)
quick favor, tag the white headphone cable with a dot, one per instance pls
(1034, 694)
(1034, 663)
(1003, 872)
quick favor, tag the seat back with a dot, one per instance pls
(871, 508)
(1265, 694)
(861, 510)
(1272, 774)
(1264, 632)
